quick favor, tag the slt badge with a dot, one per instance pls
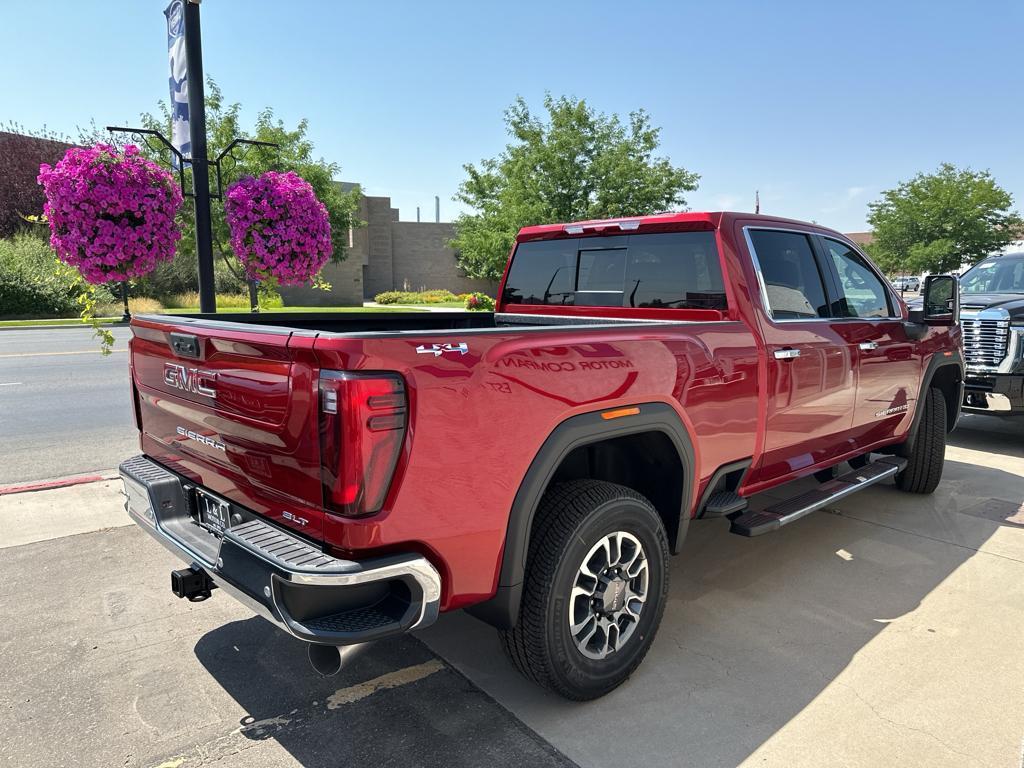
(439, 349)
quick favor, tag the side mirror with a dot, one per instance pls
(941, 303)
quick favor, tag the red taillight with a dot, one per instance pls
(362, 427)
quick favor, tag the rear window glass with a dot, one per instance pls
(677, 270)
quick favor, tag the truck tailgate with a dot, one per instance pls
(234, 410)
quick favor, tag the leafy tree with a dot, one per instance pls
(575, 164)
(939, 221)
(223, 125)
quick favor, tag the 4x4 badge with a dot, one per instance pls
(439, 349)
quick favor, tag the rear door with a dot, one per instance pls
(811, 382)
(234, 409)
(869, 318)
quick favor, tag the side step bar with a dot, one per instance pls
(785, 512)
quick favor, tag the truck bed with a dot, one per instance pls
(389, 322)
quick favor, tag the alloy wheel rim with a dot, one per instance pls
(608, 595)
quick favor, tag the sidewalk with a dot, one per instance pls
(43, 515)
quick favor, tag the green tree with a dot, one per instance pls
(939, 221)
(223, 125)
(575, 164)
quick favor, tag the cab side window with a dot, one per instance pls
(864, 294)
(792, 281)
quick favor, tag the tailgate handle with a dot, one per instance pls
(185, 344)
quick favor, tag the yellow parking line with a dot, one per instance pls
(390, 680)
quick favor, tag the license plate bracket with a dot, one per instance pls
(214, 512)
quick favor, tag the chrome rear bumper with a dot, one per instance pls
(287, 580)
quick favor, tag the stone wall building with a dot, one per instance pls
(389, 255)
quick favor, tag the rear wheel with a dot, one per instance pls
(928, 453)
(595, 588)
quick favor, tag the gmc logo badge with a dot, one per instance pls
(190, 379)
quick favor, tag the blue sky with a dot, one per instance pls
(819, 105)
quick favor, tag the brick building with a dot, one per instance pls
(389, 255)
(20, 195)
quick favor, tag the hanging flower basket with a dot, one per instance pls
(111, 213)
(279, 229)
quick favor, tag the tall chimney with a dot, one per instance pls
(417, 214)
(437, 209)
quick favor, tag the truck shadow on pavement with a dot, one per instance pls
(396, 704)
(757, 629)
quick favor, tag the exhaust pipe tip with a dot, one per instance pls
(325, 659)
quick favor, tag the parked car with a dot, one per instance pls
(992, 296)
(348, 477)
(907, 283)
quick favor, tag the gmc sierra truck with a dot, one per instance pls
(348, 477)
(992, 295)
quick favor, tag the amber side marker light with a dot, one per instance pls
(618, 413)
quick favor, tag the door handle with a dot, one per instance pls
(787, 353)
(867, 346)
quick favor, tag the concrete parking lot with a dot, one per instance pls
(886, 631)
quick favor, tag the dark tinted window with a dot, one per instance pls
(792, 280)
(864, 294)
(678, 270)
(1000, 275)
(543, 272)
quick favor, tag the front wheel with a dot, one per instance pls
(595, 589)
(928, 454)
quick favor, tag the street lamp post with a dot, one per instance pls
(200, 162)
(127, 316)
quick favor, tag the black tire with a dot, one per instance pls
(571, 520)
(928, 454)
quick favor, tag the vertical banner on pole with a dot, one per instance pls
(175, 13)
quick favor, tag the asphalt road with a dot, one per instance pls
(64, 408)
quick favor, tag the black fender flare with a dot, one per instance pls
(938, 361)
(502, 610)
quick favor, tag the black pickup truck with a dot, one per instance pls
(992, 304)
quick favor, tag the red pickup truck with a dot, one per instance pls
(349, 476)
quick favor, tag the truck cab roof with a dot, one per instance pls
(659, 222)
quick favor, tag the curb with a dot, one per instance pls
(60, 482)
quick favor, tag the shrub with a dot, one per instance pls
(33, 282)
(479, 302)
(437, 296)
